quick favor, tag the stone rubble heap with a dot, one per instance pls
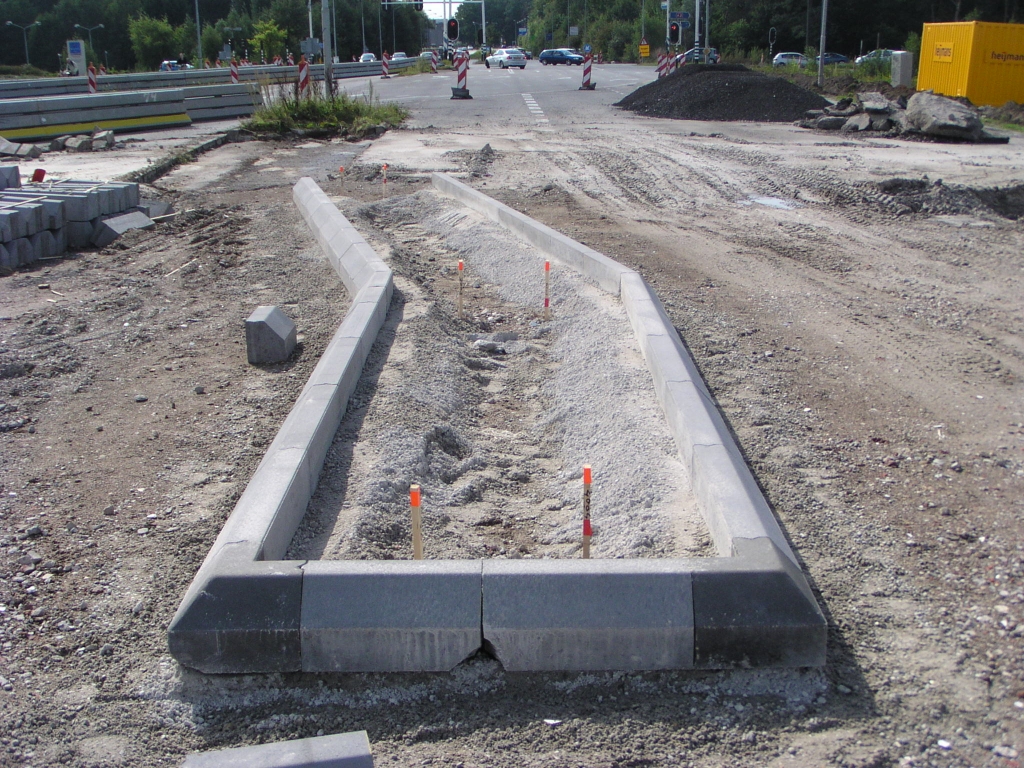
(98, 139)
(925, 114)
(45, 219)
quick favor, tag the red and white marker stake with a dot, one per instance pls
(587, 530)
(234, 72)
(433, 62)
(303, 77)
(461, 268)
(547, 290)
(92, 78)
(588, 61)
(417, 522)
(384, 67)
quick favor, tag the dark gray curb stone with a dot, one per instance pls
(269, 336)
(339, 750)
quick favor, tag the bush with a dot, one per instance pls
(340, 114)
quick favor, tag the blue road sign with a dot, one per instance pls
(549, 37)
(522, 31)
(678, 15)
(586, 48)
(684, 25)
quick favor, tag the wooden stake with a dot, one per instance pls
(417, 523)
(461, 267)
(587, 531)
(547, 290)
(384, 193)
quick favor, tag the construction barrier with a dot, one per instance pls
(92, 79)
(461, 91)
(303, 77)
(587, 84)
(662, 64)
(433, 62)
(384, 67)
(234, 72)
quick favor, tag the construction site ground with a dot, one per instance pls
(855, 306)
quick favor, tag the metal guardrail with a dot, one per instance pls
(139, 81)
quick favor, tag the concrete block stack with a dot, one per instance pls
(46, 219)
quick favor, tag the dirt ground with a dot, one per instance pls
(863, 336)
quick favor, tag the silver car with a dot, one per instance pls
(506, 57)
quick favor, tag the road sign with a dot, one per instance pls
(574, 31)
(522, 31)
(664, 6)
(549, 36)
(643, 41)
(645, 50)
(684, 25)
(587, 48)
(679, 15)
(310, 46)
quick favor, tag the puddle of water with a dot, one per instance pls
(772, 202)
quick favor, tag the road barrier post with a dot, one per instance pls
(433, 62)
(462, 67)
(588, 61)
(92, 79)
(384, 67)
(234, 72)
(661, 65)
(303, 77)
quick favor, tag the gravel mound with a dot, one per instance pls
(722, 92)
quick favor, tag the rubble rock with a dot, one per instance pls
(103, 139)
(873, 101)
(830, 123)
(857, 123)
(78, 144)
(938, 116)
(880, 123)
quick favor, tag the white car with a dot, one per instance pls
(367, 57)
(506, 57)
(789, 57)
(399, 55)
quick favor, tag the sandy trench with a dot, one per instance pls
(495, 415)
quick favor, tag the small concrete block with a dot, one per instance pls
(390, 616)
(755, 610)
(269, 336)
(30, 151)
(23, 251)
(103, 139)
(43, 244)
(9, 147)
(7, 262)
(110, 229)
(339, 750)
(9, 225)
(154, 208)
(588, 614)
(240, 617)
(59, 143)
(10, 176)
(78, 144)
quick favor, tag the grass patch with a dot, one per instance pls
(1003, 125)
(20, 70)
(317, 115)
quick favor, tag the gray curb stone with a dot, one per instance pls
(339, 750)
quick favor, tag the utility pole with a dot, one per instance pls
(821, 49)
(309, 7)
(325, 22)
(199, 40)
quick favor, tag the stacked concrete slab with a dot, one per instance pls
(42, 220)
(247, 611)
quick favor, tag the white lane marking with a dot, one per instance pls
(535, 110)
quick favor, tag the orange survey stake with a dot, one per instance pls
(586, 474)
(414, 496)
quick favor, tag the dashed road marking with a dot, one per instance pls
(531, 104)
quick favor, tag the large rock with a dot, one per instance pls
(873, 101)
(857, 123)
(938, 116)
(830, 122)
(79, 144)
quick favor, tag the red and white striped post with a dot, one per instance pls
(92, 79)
(588, 61)
(234, 72)
(662, 65)
(462, 68)
(588, 532)
(303, 77)
(384, 67)
(433, 62)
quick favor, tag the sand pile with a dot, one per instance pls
(722, 92)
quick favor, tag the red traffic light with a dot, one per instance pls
(452, 29)
(675, 34)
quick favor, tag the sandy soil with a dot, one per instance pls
(863, 337)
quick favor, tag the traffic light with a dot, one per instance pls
(479, 37)
(675, 33)
(419, 6)
(452, 29)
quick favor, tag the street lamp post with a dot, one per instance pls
(89, 30)
(24, 35)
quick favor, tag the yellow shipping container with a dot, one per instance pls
(976, 59)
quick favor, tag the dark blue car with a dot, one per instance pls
(560, 56)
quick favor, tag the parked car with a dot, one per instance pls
(526, 53)
(399, 55)
(427, 55)
(881, 56)
(697, 55)
(789, 57)
(367, 57)
(560, 56)
(833, 58)
(506, 57)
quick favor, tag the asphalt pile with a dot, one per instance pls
(728, 92)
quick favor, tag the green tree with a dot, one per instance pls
(151, 38)
(268, 40)
(213, 41)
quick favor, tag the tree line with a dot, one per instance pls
(139, 34)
